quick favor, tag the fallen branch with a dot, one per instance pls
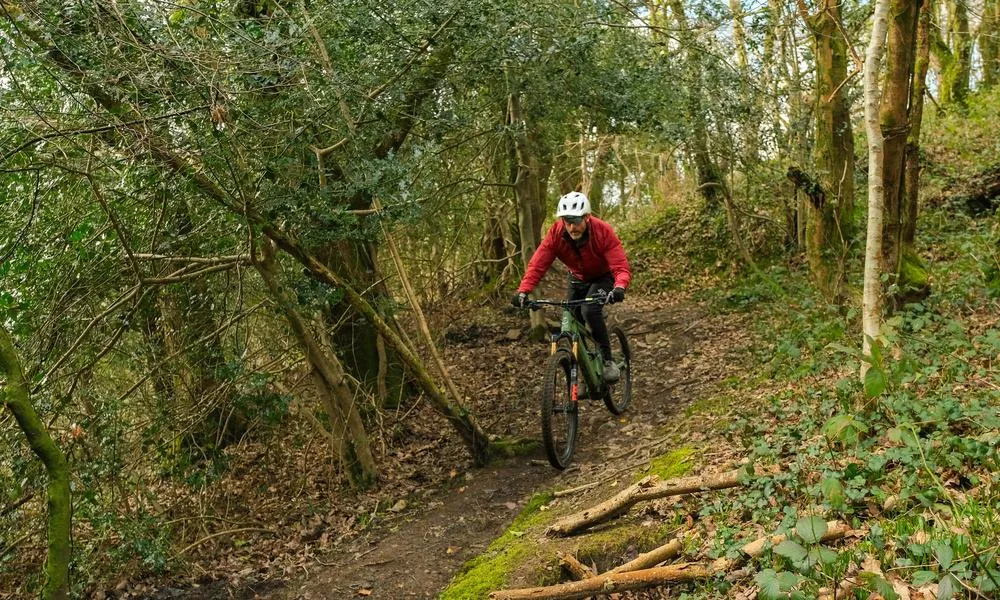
(622, 579)
(577, 569)
(648, 488)
(584, 487)
(217, 534)
(611, 583)
(654, 557)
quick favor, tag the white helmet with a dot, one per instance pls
(573, 204)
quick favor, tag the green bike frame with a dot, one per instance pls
(586, 363)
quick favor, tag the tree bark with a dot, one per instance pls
(577, 569)
(350, 440)
(200, 397)
(877, 192)
(532, 168)
(895, 124)
(357, 262)
(952, 51)
(711, 183)
(829, 228)
(648, 559)
(649, 488)
(989, 42)
(15, 397)
(955, 84)
(610, 583)
(418, 312)
(917, 92)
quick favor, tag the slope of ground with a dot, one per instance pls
(680, 358)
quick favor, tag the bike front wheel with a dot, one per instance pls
(559, 410)
(618, 395)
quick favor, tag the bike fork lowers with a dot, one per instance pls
(574, 377)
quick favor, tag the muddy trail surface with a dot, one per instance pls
(681, 354)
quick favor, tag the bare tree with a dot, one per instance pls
(871, 307)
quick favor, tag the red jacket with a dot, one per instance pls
(601, 253)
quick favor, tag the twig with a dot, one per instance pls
(17, 504)
(581, 488)
(209, 260)
(217, 534)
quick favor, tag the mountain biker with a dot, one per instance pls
(592, 252)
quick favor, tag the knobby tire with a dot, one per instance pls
(618, 395)
(558, 408)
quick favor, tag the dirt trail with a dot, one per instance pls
(680, 355)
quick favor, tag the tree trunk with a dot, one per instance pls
(497, 240)
(952, 50)
(829, 227)
(463, 421)
(917, 93)
(877, 191)
(15, 397)
(593, 170)
(349, 438)
(493, 246)
(989, 42)
(530, 181)
(895, 124)
(955, 83)
(790, 136)
(356, 261)
(751, 128)
(567, 168)
(711, 183)
(201, 397)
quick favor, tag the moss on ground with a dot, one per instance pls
(512, 448)
(490, 570)
(608, 548)
(668, 466)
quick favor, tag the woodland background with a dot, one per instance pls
(231, 227)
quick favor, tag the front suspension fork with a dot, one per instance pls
(574, 376)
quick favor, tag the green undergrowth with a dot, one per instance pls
(908, 453)
(490, 570)
(961, 143)
(674, 244)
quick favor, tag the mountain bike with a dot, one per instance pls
(575, 371)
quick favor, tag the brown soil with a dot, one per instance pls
(433, 511)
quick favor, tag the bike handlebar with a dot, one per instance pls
(598, 299)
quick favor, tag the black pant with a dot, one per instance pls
(593, 314)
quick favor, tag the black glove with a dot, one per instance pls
(519, 300)
(616, 295)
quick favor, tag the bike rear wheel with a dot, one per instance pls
(618, 395)
(559, 410)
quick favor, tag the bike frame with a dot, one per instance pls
(585, 363)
